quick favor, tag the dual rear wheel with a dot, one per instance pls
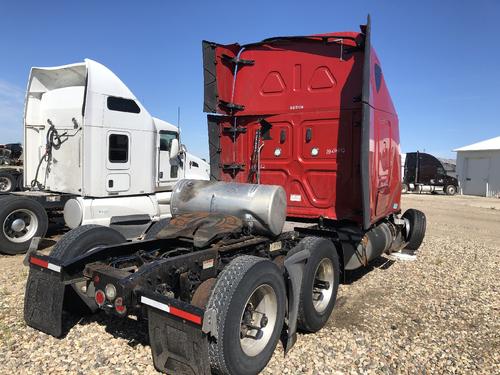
(416, 224)
(21, 219)
(249, 300)
(320, 283)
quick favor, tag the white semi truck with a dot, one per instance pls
(93, 154)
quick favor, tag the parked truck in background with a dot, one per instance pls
(304, 127)
(93, 154)
(11, 167)
(425, 173)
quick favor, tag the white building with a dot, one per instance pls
(478, 168)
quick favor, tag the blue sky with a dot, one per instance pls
(441, 59)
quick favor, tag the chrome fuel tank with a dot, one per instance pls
(263, 207)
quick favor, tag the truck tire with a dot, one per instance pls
(8, 182)
(77, 242)
(21, 219)
(404, 188)
(317, 298)
(20, 182)
(417, 225)
(249, 290)
(450, 190)
(156, 228)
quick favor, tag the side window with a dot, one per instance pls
(122, 105)
(118, 148)
(174, 171)
(166, 139)
(378, 77)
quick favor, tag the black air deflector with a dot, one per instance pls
(214, 146)
(209, 77)
(365, 129)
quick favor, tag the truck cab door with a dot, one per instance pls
(169, 169)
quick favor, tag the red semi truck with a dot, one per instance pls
(304, 128)
(316, 113)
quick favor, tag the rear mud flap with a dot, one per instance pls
(43, 302)
(294, 265)
(177, 347)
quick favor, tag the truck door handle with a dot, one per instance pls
(308, 135)
(110, 183)
(161, 175)
(282, 136)
(467, 179)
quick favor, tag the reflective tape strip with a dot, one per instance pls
(172, 310)
(155, 304)
(185, 315)
(44, 264)
(54, 267)
(39, 262)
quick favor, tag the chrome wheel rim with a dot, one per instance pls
(20, 225)
(5, 184)
(258, 320)
(322, 289)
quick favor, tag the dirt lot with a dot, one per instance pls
(437, 314)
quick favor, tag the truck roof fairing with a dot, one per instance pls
(97, 77)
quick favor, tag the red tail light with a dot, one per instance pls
(100, 297)
(120, 307)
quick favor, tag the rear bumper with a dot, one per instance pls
(178, 331)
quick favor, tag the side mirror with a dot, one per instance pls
(183, 149)
(174, 148)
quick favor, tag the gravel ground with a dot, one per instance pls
(437, 314)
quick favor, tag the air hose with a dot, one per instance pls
(254, 161)
(53, 141)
